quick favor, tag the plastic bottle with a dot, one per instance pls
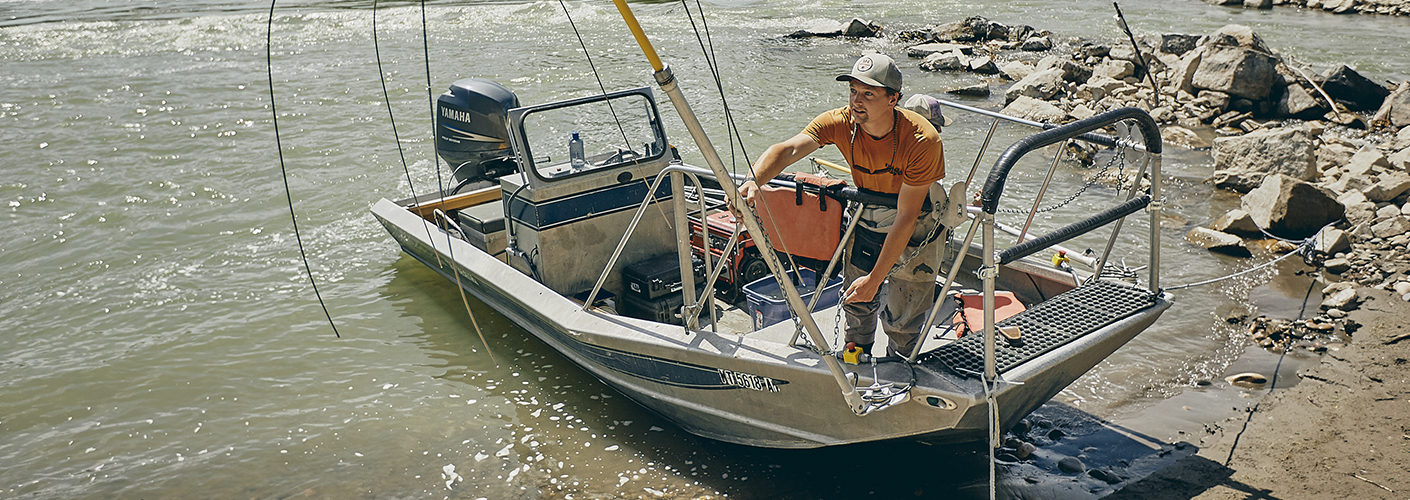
(575, 152)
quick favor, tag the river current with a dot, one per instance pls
(161, 339)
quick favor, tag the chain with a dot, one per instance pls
(1117, 158)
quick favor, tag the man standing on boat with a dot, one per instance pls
(893, 151)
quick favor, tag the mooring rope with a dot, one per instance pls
(283, 172)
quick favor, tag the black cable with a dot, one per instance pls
(381, 76)
(732, 128)
(600, 86)
(1273, 384)
(269, 67)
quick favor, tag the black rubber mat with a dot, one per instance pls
(1048, 325)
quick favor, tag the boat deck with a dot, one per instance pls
(1049, 325)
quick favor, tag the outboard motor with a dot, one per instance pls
(472, 130)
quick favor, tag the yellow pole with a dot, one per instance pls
(639, 34)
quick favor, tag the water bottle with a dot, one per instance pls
(575, 152)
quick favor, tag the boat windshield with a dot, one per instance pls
(613, 130)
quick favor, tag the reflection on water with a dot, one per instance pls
(161, 339)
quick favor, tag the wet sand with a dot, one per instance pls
(1342, 432)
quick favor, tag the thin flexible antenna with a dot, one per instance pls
(269, 67)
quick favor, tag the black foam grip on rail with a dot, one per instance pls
(994, 186)
(1069, 231)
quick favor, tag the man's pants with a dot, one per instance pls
(902, 303)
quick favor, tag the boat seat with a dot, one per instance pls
(486, 218)
(972, 314)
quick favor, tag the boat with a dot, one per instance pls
(575, 219)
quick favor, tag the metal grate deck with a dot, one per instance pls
(1048, 325)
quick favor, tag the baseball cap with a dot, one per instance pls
(929, 107)
(876, 70)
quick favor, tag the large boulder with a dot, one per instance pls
(1237, 71)
(1017, 70)
(1237, 35)
(1037, 44)
(1236, 222)
(973, 29)
(1245, 160)
(1354, 91)
(1290, 208)
(1038, 85)
(1029, 108)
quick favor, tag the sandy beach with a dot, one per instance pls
(1342, 432)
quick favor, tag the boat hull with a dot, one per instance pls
(752, 389)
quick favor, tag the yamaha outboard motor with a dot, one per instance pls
(472, 130)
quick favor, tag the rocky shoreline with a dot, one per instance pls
(1322, 162)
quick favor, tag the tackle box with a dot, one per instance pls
(658, 276)
(767, 305)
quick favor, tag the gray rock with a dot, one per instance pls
(1025, 450)
(1402, 139)
(1337, 265)
(1039, 85)
(1402, 287)
(1174, 43)
(1071, 465)
(1216, 241)
(1114, 69)
(1033, 109)
(1091, 50)
(1357, 92)
(926, 49)
(1237, 35)
(1236, 222)
(1334, 155)
(945, 61)
(1258, 4)
(976, 90)
(1387, 212)
(1299, 102)
(1071, 71)
(1401, 159)
(1286, 151)
(1400, 110)
(1037, 44)
(1390, 186)
(1236, 71)
(861, 29)
(1393, 226)
(1017, 70)
(822, 29)
(1213, 100)
(1331, 240)
(1350, 198)
(1335, 313)
(1359, 214)
(983, 65)
(973, 29)
(1291, 208)
(1343, 300)
(1104, 475)
(1183, 72)
(1363, 163)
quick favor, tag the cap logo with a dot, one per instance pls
(864, 64)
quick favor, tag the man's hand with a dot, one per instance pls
(862, 290)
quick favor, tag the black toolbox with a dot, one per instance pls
(658, 276)
(663, 309)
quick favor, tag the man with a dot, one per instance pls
(893, 151)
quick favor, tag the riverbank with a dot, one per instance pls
(1344, 431)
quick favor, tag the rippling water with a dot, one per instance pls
(162, 341)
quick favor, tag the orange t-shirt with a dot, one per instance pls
(910, 154)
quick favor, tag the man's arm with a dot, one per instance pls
(774, 160)
(908, 207)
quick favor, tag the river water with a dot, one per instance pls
(162, 341)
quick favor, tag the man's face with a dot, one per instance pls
(868, 103)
